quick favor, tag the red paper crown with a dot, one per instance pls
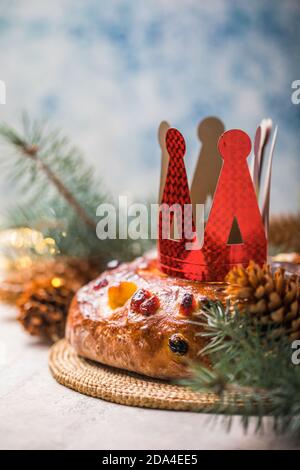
(234, 201)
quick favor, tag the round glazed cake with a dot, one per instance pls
(136, 318)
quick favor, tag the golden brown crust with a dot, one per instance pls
(133, 341)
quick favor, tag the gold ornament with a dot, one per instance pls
(20, 247)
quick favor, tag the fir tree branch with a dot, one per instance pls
(251, 365)
(31, 151)
(61, 188)
(64, 210)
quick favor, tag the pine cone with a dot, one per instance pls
(47, 292)
(284, 232)
(44, 307)
(273, 300)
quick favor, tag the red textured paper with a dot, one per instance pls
(234, 198)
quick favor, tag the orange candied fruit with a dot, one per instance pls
(120, 293)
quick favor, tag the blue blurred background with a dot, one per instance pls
(108, 72)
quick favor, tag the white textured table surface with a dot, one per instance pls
(38, 413)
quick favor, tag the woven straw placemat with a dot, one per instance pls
(126, 388)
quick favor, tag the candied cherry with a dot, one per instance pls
(144, 302)
(100, 284)
(188, 304)
(138, 298)
(203, 301)
(150, 306)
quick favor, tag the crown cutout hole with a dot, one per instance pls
(235, 236)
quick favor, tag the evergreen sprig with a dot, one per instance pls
(57, 190)
(249, 364)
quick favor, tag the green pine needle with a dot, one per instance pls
(58, 192)
(249, 364)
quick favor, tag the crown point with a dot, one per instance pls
(234, 145)
(210, 128)
(175, 143)
(162, 131)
